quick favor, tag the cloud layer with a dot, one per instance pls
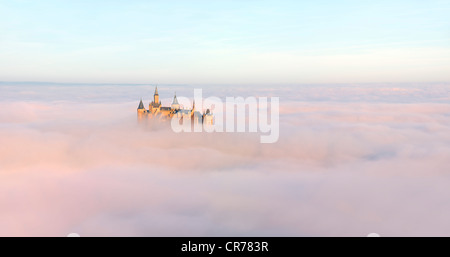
(351, 160)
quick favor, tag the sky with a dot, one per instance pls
(245, 41)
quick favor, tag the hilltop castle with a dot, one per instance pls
(156, 110)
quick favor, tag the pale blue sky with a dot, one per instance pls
(224, 41)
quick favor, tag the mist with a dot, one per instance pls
(350, 160)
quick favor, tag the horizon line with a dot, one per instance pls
(216, 84)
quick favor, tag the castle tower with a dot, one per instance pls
(208, 118)
(175, 104)
(141, 108)
(193, 109)
(155, 106)
(141, 111)
(156, 96)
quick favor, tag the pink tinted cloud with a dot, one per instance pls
(338, 169)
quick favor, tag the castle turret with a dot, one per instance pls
(193, 109)
(155, 105)
(141, 107)
(208, 118)
(141, 111)
(175, 104)
(156, 96)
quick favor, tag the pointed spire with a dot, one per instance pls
(141, 105)
(156, 90)
(193, 105)
(175, 100)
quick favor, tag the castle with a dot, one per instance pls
(156, 110)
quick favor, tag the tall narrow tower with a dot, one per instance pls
(156, 96)
(193, 109)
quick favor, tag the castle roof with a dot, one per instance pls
(141, 105)
(156, 90)
(175, 100)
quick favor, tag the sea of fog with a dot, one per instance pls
(350, 160)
